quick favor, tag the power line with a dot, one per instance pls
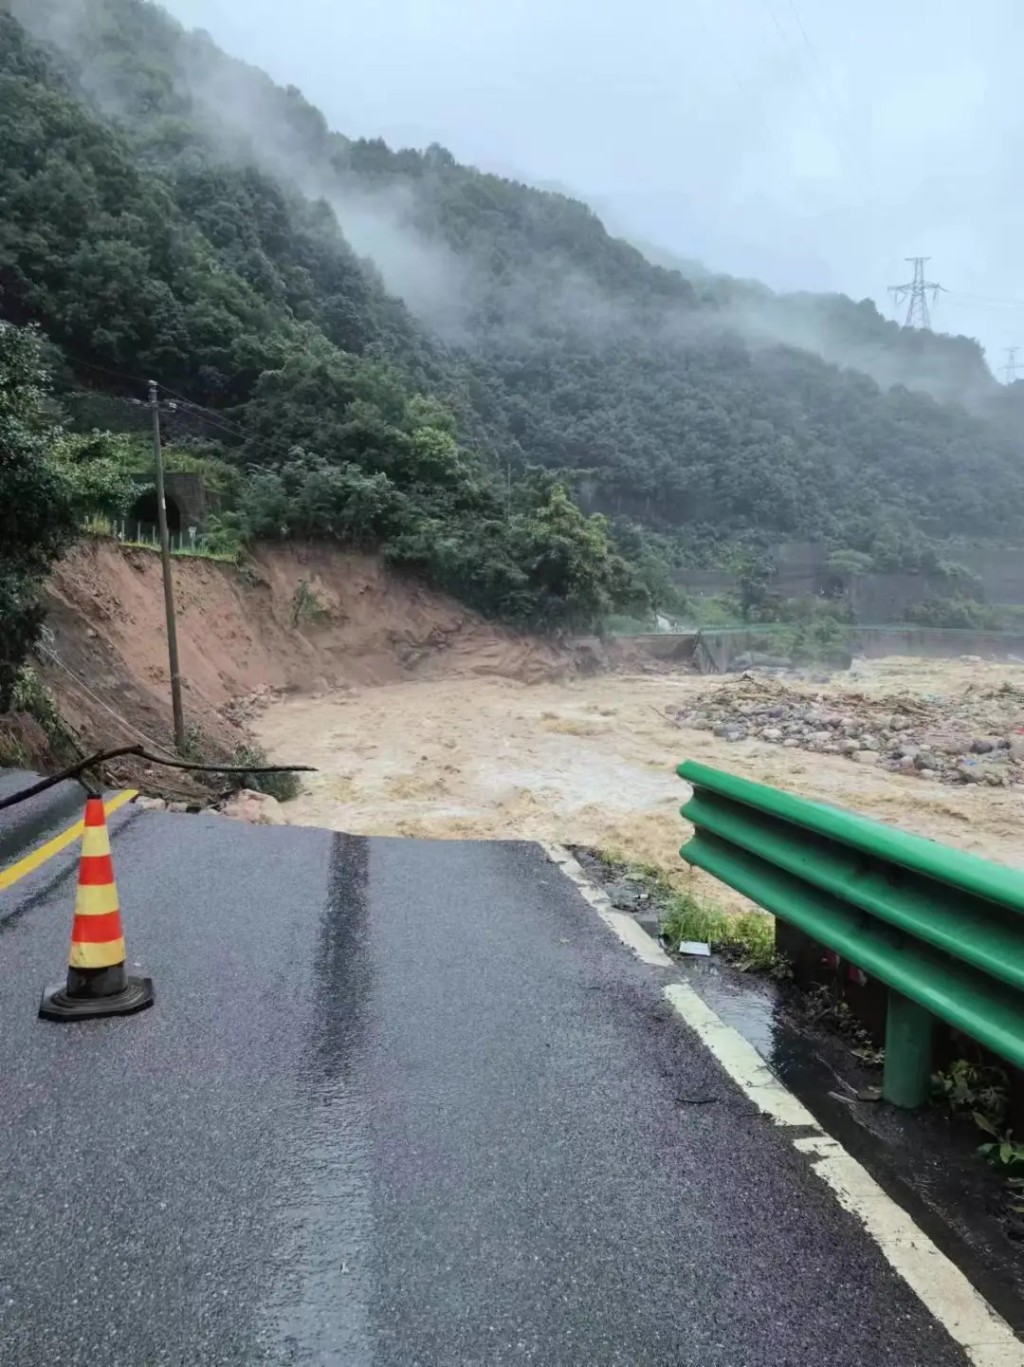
(208, 415)
(822, 70)
(831, 108)
(100, 369)
(767, 5)
(212, 416)
(177, 402)
(701, 18)
(958, 296)
(1010, 368)
(214, 419)
(917, 291)
(122, 721)
(274, 447)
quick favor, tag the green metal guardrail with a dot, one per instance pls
(942, 929)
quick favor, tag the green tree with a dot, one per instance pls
(37, 504)
(151, 232)
(574, 573)
(757, 601)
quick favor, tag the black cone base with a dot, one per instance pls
(57, 1005)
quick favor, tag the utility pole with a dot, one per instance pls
(1010, 368)
(165, 556)
(917, 291)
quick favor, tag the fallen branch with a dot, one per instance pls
(75, 771)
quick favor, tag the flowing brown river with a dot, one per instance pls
(591, 762)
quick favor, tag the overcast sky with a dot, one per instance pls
(807, 143)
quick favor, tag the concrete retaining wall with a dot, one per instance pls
(876, 642)
(594, 654)
(714, 651)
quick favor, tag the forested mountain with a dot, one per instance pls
(399, 339)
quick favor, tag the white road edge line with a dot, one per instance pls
(985, 1337)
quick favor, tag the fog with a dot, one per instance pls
(770, 140)
(806, 144)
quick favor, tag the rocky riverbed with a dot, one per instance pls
(975, 735)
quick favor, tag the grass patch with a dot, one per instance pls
(31, 696)
(204, 553)
(307, 606)
(197, 750)
(746, 938)
(717, 611)
(283, 786)
(12, 751)
(195, 747)
(620, 625)
(218, 549)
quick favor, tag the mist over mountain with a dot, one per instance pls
(169, 209)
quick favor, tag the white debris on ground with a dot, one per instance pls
(975, 735)
(260, 809)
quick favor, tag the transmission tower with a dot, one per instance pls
(917, 290)
(1010, 368)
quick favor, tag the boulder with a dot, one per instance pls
(945, 744)
(260, 809)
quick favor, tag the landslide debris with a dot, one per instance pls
(975, 735)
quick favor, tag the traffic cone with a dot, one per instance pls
(97, 984)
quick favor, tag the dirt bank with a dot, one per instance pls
(245, 634)
(592, 761)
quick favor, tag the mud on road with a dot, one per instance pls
(592, 762)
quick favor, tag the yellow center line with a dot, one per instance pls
(33, 861)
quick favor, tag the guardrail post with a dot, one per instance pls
(908, 1052)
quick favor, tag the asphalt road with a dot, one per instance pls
(29, 823)
(398, 1102)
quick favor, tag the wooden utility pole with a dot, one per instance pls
(165, 556)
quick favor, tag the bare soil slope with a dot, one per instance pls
(241, 639)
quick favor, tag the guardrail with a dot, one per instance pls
(943, 930)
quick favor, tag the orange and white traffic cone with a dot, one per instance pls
(97, 984)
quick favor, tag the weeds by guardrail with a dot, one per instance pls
(943, 930)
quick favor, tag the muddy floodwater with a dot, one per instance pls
(592, 761)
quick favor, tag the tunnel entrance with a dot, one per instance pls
(144, 513)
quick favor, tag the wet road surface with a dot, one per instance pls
(36, 819)
(398, 1102)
